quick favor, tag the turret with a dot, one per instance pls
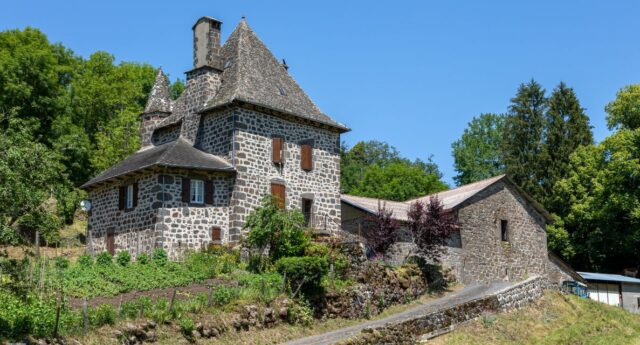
(158, 107)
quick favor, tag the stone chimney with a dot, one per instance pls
(206, 43)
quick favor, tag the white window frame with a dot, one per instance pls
(197, 192)
(129, 197)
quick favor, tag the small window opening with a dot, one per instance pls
(227, 64)
(307, 206)
(129, 197)
(504, 230)
(197, 191)
(281, 90)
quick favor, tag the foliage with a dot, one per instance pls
(222, 296)
(104, 314)
(477, 153)
(104, 259)
(123, 258)
(187, 326)
(304, 273)
(431, 226)
(375, 169)
(159, 256)
(300, 313)
(142, 258)
(85, 260)
(600, 205)
(282, 231)
(624, 111)
(523, 135)
(381, 234)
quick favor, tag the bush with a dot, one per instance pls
(85, 260)
(61, 263)
(300, 313)
(305, 272)
(187, 327)
(142, 258)
(104, 259)
(222, 296)
(104, 314)
(123, 258)
(318, 249)
(159, 256)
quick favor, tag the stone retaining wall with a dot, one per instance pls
(408, 331)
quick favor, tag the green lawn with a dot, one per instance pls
(555, 319)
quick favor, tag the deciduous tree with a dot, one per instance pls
(431, 226)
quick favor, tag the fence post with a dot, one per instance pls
(37, 244)
(332, 275)
(85, 317)
(120, 306)
(284, 282)
(210, 297)
(173, 298)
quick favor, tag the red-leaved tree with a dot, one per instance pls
(431, 226)
(381, 230)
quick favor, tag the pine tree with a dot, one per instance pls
(522, 140)
(567, 128)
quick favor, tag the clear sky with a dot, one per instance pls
(411, 73)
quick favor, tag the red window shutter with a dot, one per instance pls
(278, 192)
(111, 243)
(306, 159)
(277, 145)
(121, 197)
(208, 192)
(216, 234)
(135, 194)
(186, 189)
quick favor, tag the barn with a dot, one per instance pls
(614, 289)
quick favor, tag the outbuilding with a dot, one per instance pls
(614, 289)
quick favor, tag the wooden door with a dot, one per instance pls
(111, 243)
(216, 234)
(278, 192)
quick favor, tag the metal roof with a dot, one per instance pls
(608, 277)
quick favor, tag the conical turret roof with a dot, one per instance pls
(160, 96)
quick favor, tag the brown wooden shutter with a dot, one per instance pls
(208, 192)
(278, 192)
(135, 194)
(277, 145)
(306, 157)
(111, 243)
(122, 192)
(216, 234)
(186, 189)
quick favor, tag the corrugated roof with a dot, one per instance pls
(175, 154)
(370, 205)
(253, 75)
(608, 277)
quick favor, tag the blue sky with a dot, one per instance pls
(411, 73)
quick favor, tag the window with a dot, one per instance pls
(197, 191)
(130, 196)
(307, 207)
(638, 302)
(277, 147)
(306, 157)
(504, 230)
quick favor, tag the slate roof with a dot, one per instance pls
(608, 277)
(450, 198)
(175, 154)
(253, 75)
(160, 96)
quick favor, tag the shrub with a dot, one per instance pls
(300, 313)
(61, 263)
(317, 249)
(123, 258)
(104, 259)
(222, 296)
(142, 258)
(85, 260)
(305, 272)
(283, 231)
(104, 314)
(159, 256)
(187, 327)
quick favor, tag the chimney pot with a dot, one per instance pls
(206, 43)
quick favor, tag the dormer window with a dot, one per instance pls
(281, 91)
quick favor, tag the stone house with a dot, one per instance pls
(241, 129)
(502, 232)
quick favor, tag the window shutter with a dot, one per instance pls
(277, 145)
(216, 234)
(306, 159)
(135, 194)
(278, 191)
(121, 197)
(186, 189)
(208, 192)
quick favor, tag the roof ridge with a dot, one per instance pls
(497, 177)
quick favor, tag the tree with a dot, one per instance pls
(624, 111)
(600, 203)
(375, 169)
(523, 135)
(567, 128)
(176, 88)
(382, 230)
(477, 153)
(282, 231)
(431, 225)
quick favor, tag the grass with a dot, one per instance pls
(555, 319)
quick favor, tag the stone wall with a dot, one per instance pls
(166, 134)
(409, 331)
(256, 171)
(216, 133)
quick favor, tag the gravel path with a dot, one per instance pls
(467, 294)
